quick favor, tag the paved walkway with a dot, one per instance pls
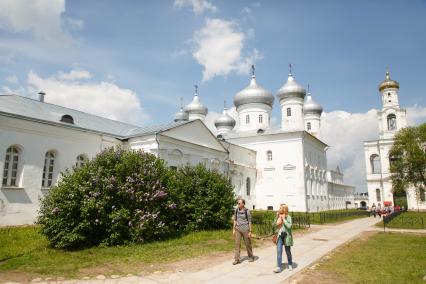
(308, 249)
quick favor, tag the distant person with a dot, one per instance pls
(285, 237)
(373, 210)
(242, 229)
(379, 210)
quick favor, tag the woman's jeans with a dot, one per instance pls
(280, 244)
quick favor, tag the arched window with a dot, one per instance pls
(248, 186)
(308, 126)
(11, 166)
(247, 119)
(391, 121)
(269, 155)
(288, 111)
(375, 164)
(378, 197)
(81, 160)
(67, 118)
(49, 165)
(260, 118)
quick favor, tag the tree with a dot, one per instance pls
(408, 160)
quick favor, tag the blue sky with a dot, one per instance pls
(133, 60)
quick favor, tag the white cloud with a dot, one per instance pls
(77, 74)
(72, 90)
(12, 79)
(218, 48)
(416, 115)
(75, 24)
(179, 53)
(345, 133)
(42, 18)
(198, 6)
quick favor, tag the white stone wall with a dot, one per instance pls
(281, 179)
(316, 175)
(19, 205)
(253, 111)
(242, 166)
(295, 121)
(315, 121)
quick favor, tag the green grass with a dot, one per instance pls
(407, 220)
(382, 258)
(25, 250)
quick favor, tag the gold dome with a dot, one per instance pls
(388, 83)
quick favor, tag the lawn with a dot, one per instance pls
(24, 250)
(380, 258)
(407, 220)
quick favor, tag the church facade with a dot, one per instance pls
(267, 166)
(391, 119)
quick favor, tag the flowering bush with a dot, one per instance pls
(127, 196)
(118, 197)
(204, 198)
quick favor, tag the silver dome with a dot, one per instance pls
(181, 115)
(253, 93)
(196, 106)
(311, 107)
(291, 89)
(224, 120)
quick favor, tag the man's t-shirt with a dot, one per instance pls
(242, 222)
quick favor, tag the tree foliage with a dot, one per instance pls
(123, 196)
(408, 159)
(205, 198)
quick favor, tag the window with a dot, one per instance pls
(391, 121)
(81, 160)
(269, 155)
(260, 118)
(49, 164)
(67, 118)
(378, 197)
(308, 126)
(288, 111)
(248, 186)
(11, 163)
(375, 164)
(422, 194)
(247, 119)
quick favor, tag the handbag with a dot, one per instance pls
(275, 238)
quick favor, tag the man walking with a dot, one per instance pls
(242, 229)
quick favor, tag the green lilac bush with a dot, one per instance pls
(116, 198)
(204, 198)
(123, 197)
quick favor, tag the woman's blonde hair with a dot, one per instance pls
(284, 207)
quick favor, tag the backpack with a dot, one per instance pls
(236, 213)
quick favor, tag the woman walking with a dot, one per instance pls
(285, 238)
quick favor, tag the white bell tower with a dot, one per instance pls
(391, 117)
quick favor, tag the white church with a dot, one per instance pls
(391, 119)
(267, 166)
